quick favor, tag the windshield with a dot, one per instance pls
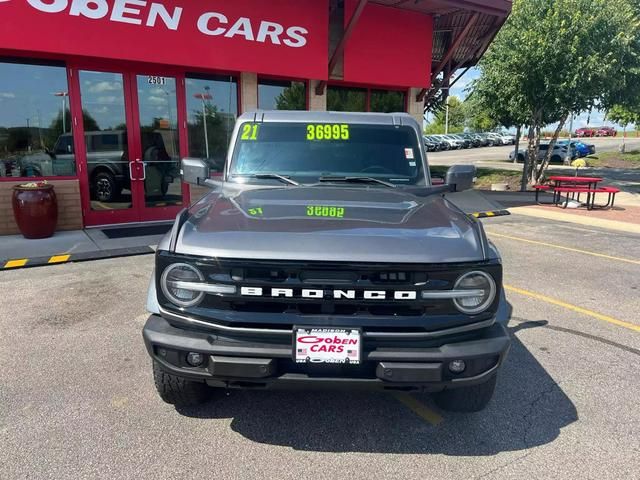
(306, 152)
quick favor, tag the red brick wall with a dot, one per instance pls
(69, 208)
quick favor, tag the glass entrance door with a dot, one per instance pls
(129, 153)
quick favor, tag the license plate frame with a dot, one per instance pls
(350, 354)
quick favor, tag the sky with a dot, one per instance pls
(596, 119)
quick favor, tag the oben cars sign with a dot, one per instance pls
(284, 37)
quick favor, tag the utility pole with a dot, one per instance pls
(446, 117)
(64, 96)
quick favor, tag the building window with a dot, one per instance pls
(35, 121)
(212, 108)
(282, 95)
(387, 101)
(346, 99)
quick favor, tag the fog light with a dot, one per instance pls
(457, 366)
(195, 359)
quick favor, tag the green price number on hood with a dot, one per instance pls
(325, 211)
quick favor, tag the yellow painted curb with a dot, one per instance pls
(16, 263)
(59, 258)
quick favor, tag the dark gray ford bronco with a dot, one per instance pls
(325, 257)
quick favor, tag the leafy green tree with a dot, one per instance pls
(346, 100)
(554, 58)
(456, 118)
(293, 97)
(479, 117)
(623, 116)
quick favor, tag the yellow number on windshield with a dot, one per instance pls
(249, 131)
(328, 132)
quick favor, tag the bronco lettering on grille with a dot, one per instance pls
(336, 294)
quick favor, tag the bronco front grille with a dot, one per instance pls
(324, 278)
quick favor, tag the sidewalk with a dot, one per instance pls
(78, 245)
(624, 216)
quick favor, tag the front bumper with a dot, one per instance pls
(241, 362)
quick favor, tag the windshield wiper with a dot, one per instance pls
(269, 176)
(356, 180)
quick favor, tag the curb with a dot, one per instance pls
(588, 221)
(17, 263)
(491, 213)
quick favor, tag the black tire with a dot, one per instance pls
(467, 399)
(105, 188)
(179, 391)
(520, 158)
(555, 159)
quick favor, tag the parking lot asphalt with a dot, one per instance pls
(500, 155)
(77, 397)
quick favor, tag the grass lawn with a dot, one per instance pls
(615, 160)
(487, 176)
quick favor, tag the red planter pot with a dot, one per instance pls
(35, 210)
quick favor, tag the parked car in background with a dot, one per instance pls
(582, 149)
(431, 145)
(465, 143)
(557, 156)
(498, 140)
(473, 138)
(452, 143)
(586, 132)
(441, 143)
(606, 132)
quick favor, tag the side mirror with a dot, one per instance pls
(460, 177)
(194, 171)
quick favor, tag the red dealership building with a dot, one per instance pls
(103, 97)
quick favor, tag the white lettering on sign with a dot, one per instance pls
(89, 8)
(172, 21)
(56, 6)
(242, 27)
(210, 23)
(124, 10)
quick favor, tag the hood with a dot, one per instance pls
(329, 223)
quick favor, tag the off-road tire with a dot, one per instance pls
(467, 399)
(105, 188)
(179, 391)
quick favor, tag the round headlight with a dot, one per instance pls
(176, 274)
(483, 287)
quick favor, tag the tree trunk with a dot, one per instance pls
(545, 162)
(517, 144)
(528, 158)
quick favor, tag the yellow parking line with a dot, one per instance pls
(59, 258)
(575, 308)
(562, 247)
(419, 408)
(16, 263)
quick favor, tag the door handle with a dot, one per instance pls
(144, 170)
(131, 171)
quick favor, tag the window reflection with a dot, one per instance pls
(345, 99)
(105, 129)
(212, 107)
(282, 95)
(35, 121)
(387, 101)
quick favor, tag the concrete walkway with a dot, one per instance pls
(84, 244)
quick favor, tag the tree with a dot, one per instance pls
(552, 59)
(479, 117)
(456, 118)
(623, 116)
(293, 97)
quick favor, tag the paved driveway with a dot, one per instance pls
(77, 398)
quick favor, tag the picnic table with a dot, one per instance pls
(571, 186)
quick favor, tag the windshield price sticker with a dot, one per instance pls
(325, 211)
(327, 132)
(249, 131)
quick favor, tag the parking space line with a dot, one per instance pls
(419, 408)
(562, 247)
(575, 308)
